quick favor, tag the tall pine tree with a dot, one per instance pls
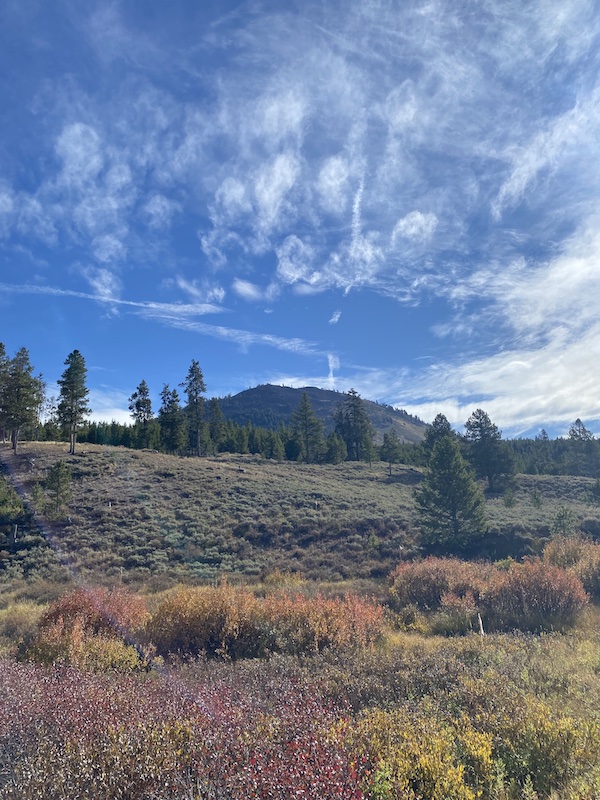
(308, 429)
(72, 406)
(194, 388)
(488, 453)
(140, 406)
(22, 395)
(173, 428)
(353, 425)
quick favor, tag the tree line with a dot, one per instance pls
(187, 423)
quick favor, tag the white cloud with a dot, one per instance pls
(232, 199)
(201, 291)
(294, 260)
(332, 185)
(105, 284)
(335, 317)
(273, 182)
(247, 290)
(550, 149)
(143, 306)
(160, 211)
(109, 404)
(80, 150)
(242, 338)
(7, 206)
(415, 225)
(279, 117)
(107, 248)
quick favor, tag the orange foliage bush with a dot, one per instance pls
(98, 610)
(233, 623)
(580, 555)
(92, 629)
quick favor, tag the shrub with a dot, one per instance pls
(414, 754)
(19, 623)
(91, 629)
(98, 610)
(532, 596)
(580, 555)
(424, 583)
(233, 623)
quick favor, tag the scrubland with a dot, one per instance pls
(237, 628)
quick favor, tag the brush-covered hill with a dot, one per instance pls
(270, 406)
(157, 519)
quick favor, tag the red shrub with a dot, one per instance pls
(424, 583)
(532, 596)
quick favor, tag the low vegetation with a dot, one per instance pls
(348, 703)
(236, 627)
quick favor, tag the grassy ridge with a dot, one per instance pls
(143, 516)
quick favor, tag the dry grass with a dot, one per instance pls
(155, 519)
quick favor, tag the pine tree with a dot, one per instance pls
(391, 449)
(216, 424)
(194, 387)
(450, 503)
(22, 395)
(72, 407)
(140, 406)
(4, 364)
(58, 484)
(335, 449)
(308, 428)
(173, 429)
(488, 453)
(353, 425)
(439, 428)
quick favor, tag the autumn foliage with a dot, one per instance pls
(91, 628)
(233, 623)
(531, 596)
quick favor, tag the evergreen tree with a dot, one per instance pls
(439, 428)
(194, 388)
(140, 406)
(216, 424)
(72, 407)
(22, 396)
(4, 365)
(335, 449)
(58, 484)
(491, 459)
(173, 429)
(450, 503)
(582, 457)
(391, 449)
(274, 446)
(241, 440)
(353, 425)
(308, 428)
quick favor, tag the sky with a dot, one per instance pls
(396, 197)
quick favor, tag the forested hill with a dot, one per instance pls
(270, 406)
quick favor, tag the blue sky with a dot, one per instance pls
(400, 197)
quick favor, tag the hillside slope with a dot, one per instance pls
(270, 406)
(148, 517)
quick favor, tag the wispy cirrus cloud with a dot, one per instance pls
(445, 160)
(242, 338)
(183, 309)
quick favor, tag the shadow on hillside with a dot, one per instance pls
(407, 477)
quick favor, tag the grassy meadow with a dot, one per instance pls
(232, 627)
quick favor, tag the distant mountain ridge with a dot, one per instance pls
(270, 406)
